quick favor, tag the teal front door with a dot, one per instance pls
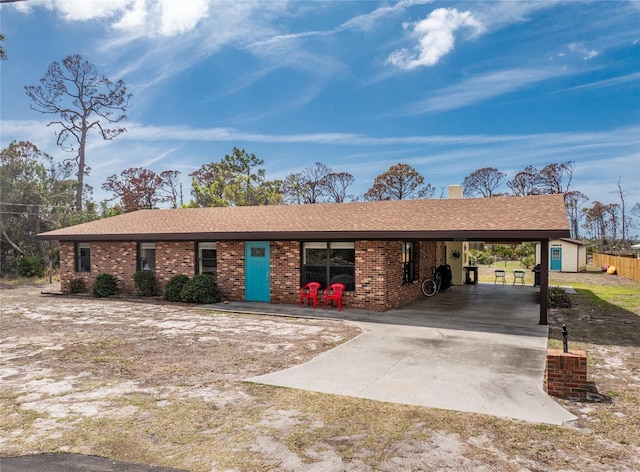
(555, 258)
(257, 277)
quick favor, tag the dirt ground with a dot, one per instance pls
(162, 384)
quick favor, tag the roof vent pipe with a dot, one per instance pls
(455, 191)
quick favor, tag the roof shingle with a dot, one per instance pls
(540, 215)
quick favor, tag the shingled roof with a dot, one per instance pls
(481, 219)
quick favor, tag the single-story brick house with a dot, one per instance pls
(380, 250)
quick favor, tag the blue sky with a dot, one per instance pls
(446, 87)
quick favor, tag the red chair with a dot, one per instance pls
(310, 292)
(334, 292)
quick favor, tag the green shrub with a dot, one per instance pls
(173, 289)
(30, 266)
(77, 286)
(105, 285)
(528, 261)
(203, 288)
(558, 298)
(480, 257)
(146, 283)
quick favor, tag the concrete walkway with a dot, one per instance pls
(474, 349)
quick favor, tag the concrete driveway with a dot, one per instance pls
(475, 348)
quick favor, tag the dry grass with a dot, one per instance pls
(163, 385)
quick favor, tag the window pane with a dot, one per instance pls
(315, 256)
(208, 261)
(342, 257)
(343, 275)
(315, 245)
(408, 263)
(342, 245)
(148, 259)
(84, 258)
(313, 273)
(258, 252)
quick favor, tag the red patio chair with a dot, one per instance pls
(310, 293)
(334, 292)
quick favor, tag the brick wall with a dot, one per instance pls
(174, 258)
(567, 373)
(370, 276)
(114, 258)
(285, 272)
(231, 269)
(378, 271)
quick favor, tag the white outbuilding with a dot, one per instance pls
(566, 255)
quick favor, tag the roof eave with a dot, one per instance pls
(446, 235)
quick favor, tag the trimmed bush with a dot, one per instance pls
(30, 266)
(558, 298)
(105, 285)
(173, 289)
(77, 286)
(146, 283)
(203, 288)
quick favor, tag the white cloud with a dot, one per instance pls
(633, 79)
(483, 87)
(364, 22)
(180, 16)
(79, 10)
(581, 50)
(435, 38)
(367, 21)
(135, 18)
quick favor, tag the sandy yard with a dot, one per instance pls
(162, 384)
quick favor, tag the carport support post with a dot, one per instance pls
(544, 280)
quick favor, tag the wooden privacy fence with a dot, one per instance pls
(627, 267)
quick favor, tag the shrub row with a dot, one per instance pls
(202, 288)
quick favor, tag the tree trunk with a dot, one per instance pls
(81, 165)
(11, 243)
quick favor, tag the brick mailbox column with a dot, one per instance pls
(567, 373)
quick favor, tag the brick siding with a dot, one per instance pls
(378, 269)
(114, 258)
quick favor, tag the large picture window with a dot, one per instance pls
(408, 263)
(83, 257)
(329, 263)
(207, 258)
(147, 256)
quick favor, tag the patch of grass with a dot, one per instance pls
(17, 281)
(190, 434)
(14, 416)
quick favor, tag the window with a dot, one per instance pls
(258, 252)
(83, 257)
(408, 263)
(147, 256)
(329, 263)
(207, 260)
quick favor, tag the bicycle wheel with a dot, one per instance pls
(429, 288)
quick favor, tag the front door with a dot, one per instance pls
(257, 276)
(556, 258)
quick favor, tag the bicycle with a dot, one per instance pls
(432, 286)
